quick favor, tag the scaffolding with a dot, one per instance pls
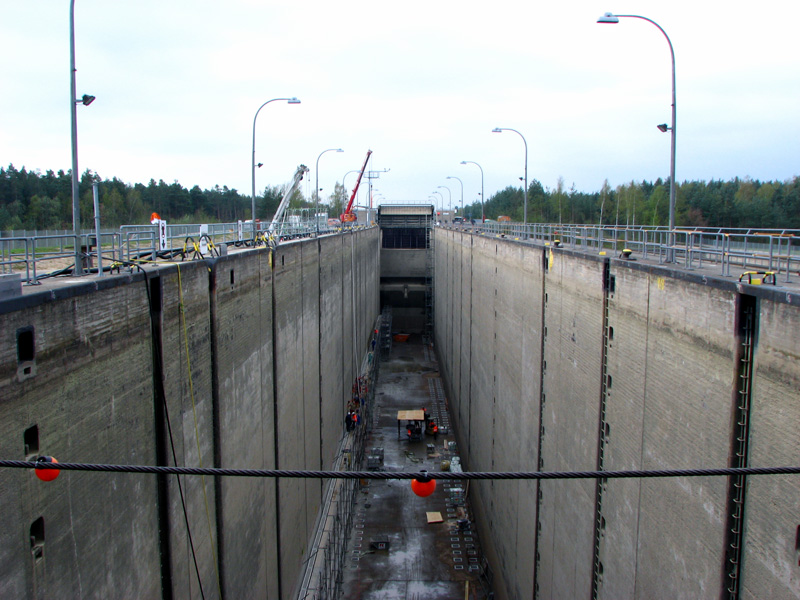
(429, 268)
(325, 559)
(386, 332)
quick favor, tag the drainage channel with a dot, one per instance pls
(401, 545)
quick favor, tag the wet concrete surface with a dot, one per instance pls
(393, 552)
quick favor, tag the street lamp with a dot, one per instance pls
(449, 194)
(345, 177)
(291, 100)
(462, 193)
(613, 19)
(472, 162)
(316, 193)
(86, 100)
(440, 196)
(525, 207)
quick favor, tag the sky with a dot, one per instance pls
(422, 83)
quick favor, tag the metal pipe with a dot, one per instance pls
(76, 217)
(96, 198)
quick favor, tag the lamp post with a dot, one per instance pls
(316, 193)
(345, 177)
(613, 19)
(472, 162)
(440, 196)
(525, 206)
(291, 100)
(449, 195)
(462, 193)
(86, 100)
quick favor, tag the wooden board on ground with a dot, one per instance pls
(434, 517)
(410, 415)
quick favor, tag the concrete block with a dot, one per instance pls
(10, 286)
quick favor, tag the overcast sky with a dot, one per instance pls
(421, 82)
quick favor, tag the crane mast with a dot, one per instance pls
(347, 216)
(290, 189)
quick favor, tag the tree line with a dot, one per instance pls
(35, 200)
(738, 203)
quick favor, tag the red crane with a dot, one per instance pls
(348, 216)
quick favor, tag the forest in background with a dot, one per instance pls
(35, 200)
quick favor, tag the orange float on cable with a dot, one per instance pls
(46, 474)
(423, 486)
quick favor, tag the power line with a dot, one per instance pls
(544, 475)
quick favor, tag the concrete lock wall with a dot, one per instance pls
(241, 292)
(86, 396)
(255, 365)
(488, 324)
(640, 368)
(772, 505)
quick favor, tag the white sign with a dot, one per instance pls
(203, 239)
(240, 229)
(162, 235)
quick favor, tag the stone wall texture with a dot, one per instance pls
(553, 360)
(556, 360)
(243, 361)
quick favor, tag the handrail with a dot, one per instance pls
(45, 255)
(758, 249)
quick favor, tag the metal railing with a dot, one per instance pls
(37, 255)
(55, 254)
(777, 251)
(773, 250)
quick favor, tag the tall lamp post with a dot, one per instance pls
(345, 177)
(525, 206)
(440, 196)
(86, 100)
(613, 19)
(472, 162)
(316, 192)
(462, 193)
(291, 100)
(449, 195)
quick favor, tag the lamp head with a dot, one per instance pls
(463, 162)
(608, 18)
(86, 100)
(293, 100)
(663, 127)
(339, 150)
(496, 130)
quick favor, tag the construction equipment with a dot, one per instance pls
(348, 216)
(290, 190)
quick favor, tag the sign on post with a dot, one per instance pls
(162, 235)
(203, 239)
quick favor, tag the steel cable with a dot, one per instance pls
(294, 474)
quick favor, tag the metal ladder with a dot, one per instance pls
(737, 489)
(602, 437)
